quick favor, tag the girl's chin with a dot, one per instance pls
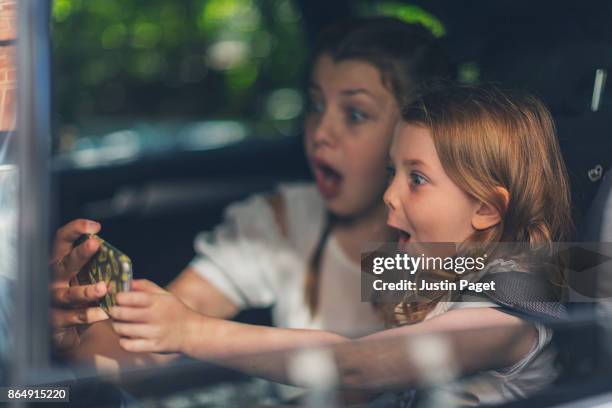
(339, 208)
(342, 208)
(345, 209)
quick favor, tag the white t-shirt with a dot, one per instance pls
(532, 373)
(252, 263)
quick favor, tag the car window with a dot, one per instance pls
(136, 78)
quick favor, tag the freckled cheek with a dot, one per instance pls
(423, 217)
(447, 221)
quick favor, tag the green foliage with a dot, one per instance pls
(408, 13)
(194, 58)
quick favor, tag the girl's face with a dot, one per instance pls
(347, 134)
(423, 203)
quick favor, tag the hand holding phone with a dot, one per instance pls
(108, 265)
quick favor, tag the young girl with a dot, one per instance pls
(470, 164)
(299, 250)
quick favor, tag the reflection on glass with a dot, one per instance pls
(8, 220)
(8, 181)
(438, 369)
(157, 68)
(8, 260)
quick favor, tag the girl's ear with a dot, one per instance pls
(486, 215)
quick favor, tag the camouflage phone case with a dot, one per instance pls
(109, 265)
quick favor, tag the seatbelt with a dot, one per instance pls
(522, 294)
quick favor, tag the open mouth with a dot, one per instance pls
(328, 179)
(403, 237)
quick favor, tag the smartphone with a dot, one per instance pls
(108, 265)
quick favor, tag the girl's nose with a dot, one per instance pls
(324, 134)
(390, 197)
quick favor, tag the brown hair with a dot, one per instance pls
(487, 138)
(406, 56)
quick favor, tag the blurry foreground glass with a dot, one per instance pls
(8, 220)
(8, 260)
(437, 369)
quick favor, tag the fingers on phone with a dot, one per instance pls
(129, 314)
(134, 299)
(69, 233)
(79, 256)
(61, 318)
(79, 295)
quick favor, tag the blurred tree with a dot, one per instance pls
(159, 58)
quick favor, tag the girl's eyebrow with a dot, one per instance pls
(345, 92)
(414, 162)
(355, 91)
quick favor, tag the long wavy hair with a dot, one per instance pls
(406, 55)
(487, 138)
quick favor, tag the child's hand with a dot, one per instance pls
(151, 319)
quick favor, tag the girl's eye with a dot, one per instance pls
(356, 116)
(417, 179)
(315, 107)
